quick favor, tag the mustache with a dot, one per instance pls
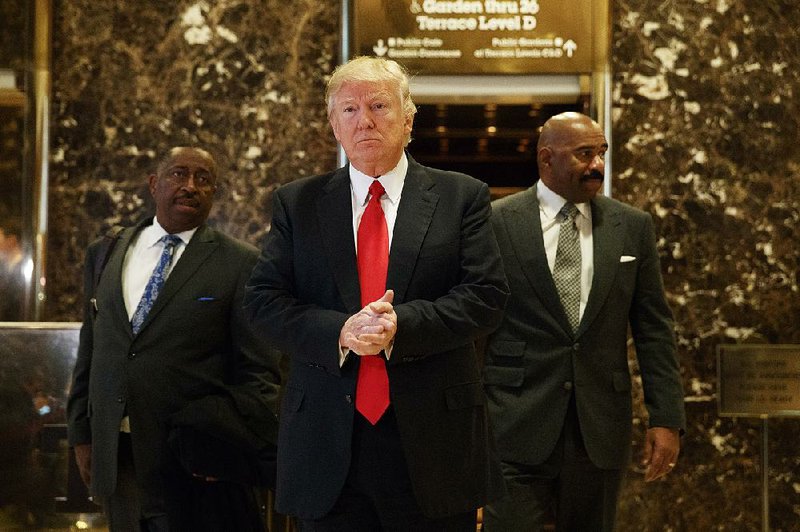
(594, 174)
(187, 197)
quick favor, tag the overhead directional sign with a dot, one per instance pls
(439, 37)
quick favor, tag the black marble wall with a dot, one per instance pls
(244, 79)
(705, 125)
(705, 136)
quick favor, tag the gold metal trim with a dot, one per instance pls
(42, 59)
(40, 325)
(12, 98)
(602, 81)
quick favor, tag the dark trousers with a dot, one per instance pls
(190, 504)
(123, 507)
(377, 495)
(567, 487)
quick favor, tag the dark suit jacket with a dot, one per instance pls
(194, 343)
(449, 288)
(534, 361)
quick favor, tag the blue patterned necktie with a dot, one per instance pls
(156, 281)
(567, 269)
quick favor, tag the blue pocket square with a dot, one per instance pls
(207, 298)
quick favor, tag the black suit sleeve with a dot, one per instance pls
(305, 329)
(78, 429)
(652, 329)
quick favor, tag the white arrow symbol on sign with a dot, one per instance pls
(570, 47)
(380, 49)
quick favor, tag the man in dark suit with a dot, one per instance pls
(582, 268)
(151, 351)
(375, 279)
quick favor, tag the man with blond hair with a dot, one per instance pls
(375, 279)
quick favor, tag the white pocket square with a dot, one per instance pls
(627, 258)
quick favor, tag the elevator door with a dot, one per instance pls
(493, 142)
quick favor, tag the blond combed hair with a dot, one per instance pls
(373, 70)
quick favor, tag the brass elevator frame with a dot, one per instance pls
(32, 96)
(42, 87)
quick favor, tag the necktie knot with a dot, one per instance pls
(376, 190)
(170, 241)
(568, 212)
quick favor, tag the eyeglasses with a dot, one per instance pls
(203, 179)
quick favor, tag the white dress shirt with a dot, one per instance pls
(550, 204)
(392, 182)
(141, 260)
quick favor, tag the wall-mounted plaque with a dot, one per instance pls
(758, 380)
(440, 37)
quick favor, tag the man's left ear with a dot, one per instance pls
(409, 123)
(152, 179)
(544, 156)
(335, 129)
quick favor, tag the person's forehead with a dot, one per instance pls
(582, 134)
(190, 158)
(353, 90)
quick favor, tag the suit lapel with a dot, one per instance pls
(524, 227)
(113, 274)
(414, 214)
(202, 244)
(335, 215)
(607, 242)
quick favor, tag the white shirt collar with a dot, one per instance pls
(550, 203)
(392, 181)
(151, 234)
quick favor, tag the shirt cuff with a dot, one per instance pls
(344, 352)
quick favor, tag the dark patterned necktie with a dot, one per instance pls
(567, 269)
(372, 387)
(156, 281)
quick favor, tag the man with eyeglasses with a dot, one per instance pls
(171, 389)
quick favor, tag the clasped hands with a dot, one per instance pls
(372, 329)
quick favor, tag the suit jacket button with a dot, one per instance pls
(576, 347)
(348, 398)
(131, 356)
(120, 399)
(568, 386)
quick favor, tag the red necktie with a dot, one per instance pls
(372, 388)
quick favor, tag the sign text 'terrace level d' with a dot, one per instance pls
(439, 37)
